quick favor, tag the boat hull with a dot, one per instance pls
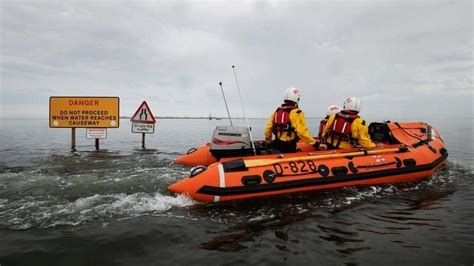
(260, 176)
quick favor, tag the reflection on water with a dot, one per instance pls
(249, 221)
(247, 231)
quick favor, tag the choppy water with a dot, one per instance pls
(112, 207)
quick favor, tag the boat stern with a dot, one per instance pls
(191, 185)
(197, 156)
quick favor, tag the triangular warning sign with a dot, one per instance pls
(143, 115)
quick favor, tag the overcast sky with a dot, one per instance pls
(403, 58)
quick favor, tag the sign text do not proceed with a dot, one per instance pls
(84, 112)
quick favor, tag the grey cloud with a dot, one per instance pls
(173, 54)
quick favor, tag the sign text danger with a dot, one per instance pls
(89, 112)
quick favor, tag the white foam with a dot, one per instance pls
(139, 203)
(260, 218)
(3, 202)
(47, 213)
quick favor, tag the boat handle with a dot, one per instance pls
(191, 150)
(197, 170)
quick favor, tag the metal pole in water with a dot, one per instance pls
(96, 144)
(225, 101)
(245, 113)
(143, 140)
(73, 139)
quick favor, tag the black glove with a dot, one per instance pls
(320, 146)
(316, 145)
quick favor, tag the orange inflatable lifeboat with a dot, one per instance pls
(412, 152)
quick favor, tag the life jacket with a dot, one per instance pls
(282, 122)
(341, 128)
(322, 125)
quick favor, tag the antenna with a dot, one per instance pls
(225, 101)
(245, 114)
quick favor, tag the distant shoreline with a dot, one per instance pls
(260, 118)
(195, 117)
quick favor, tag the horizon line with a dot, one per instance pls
(240, 118)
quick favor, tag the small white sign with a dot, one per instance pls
(96, 133)
(143, 128)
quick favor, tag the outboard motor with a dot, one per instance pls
(230, 141)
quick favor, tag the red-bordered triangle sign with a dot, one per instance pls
(143, 115)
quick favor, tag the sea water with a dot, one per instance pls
(112, 206)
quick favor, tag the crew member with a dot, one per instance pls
(288, 124)
(332, 110)
(347, 129)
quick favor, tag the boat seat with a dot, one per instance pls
(380, 132)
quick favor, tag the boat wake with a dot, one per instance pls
(50, 211)
(69, 190)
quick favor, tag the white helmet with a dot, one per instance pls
(292, 94)
(352, 104)
(332, 110)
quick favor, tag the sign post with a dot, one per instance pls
(143, 121)
(73, 139)
(83, 112)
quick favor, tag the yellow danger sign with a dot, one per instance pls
(84, 112)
